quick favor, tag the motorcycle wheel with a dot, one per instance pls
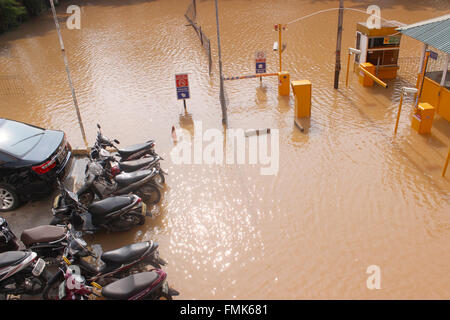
(160, 180)
(128, 221)
(150, 194)
(51, 290)
(86, 198)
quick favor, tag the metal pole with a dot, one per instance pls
(279, 45)
(222, 94)
(446, 163)
(66, 63)
(398, 113)
(338, 44)
(422, 77)
(195, 9)
(348, 67)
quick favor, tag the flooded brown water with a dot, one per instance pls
(347, 195)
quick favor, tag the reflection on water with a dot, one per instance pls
(347, 195)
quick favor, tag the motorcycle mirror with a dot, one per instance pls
(98, 126)
(116, 141)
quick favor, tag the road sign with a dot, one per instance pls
(260, 62)
(182, 86)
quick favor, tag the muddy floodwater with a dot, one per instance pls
(347, 195)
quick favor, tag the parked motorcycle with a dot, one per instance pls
(115, 167)
(119, 213)
(97, 182)
(150, 285)
(115, 263)
(21, 272)
(47, 241)
(8, 240)
(133, 152)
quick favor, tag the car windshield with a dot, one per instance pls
(18, 138)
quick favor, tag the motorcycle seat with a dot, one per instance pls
(126, 178)
(126, 254)
(42, 234)
(11, 258)
(134, 165)
(130, 286)
(134, 148)
(109, 205)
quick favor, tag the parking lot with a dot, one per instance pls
(38, 212)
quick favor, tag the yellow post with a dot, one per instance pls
(398, 113)
(422, 77)
(348, 67)
(446, 163)
(279, 45)
(302, 94)
(283, 83)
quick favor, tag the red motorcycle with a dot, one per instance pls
(150, 285)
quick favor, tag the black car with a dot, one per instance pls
(30, 160)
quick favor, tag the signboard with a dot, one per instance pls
(433, 55)
(392, 40)
(182, 86)
(260, 62)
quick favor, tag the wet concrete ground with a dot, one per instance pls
(35, 213)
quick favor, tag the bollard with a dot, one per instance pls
(283, 83)
(302, 94)
(422, 120)
(364, 79)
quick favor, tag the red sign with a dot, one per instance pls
(182, 80)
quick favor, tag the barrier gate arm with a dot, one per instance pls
(260, 75)
(374, 78)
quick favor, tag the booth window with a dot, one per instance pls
(358, 45)
(436, 76)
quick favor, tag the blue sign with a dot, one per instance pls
(433, 55)
(183, 93)
(182, 86)
(260, 67)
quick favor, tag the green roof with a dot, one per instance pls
(434, 32)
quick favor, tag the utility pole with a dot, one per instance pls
(66, 63)
(222, 94)
(338, 44)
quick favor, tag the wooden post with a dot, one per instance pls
(338, 44)
(66, 63)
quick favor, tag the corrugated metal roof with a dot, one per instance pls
(434, 32)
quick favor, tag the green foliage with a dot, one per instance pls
(11, 14)
(35, 7)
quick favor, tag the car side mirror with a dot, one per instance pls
(116, 141)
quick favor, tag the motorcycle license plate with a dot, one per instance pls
(62, 290)
(39, 267)
(144, 209)
(165, 287)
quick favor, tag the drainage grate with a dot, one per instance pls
(11, 85)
